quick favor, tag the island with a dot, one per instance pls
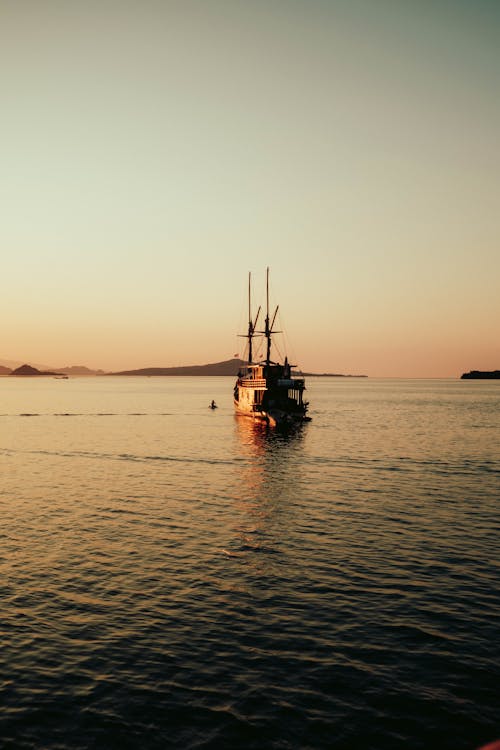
(227, 367)
(26, 371)
(481, 375)
(79, 371)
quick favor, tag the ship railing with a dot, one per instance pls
(253, 382)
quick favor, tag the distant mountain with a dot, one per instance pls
(481, 375)
(26, 371)
(12, 364)
(228, 367)
(79, 370)
(7, 365)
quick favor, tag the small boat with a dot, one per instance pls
(268, 391)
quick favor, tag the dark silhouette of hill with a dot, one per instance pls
(228, 367)
(26, 371)
(481, 375)
(79, 370)
(13, 364)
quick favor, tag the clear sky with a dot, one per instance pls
(152, 152)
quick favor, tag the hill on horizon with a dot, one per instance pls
(80, 370)
(27, 371)
(13, 364)
(228, 367)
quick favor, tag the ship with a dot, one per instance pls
(268, 391)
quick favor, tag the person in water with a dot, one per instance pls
(213, 405)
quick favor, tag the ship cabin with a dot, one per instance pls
(270, 385)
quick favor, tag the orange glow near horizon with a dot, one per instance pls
(139, 189)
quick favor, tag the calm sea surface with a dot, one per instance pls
(175, 577)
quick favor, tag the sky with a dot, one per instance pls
(154, 152)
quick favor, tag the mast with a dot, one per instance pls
(251, 323)
(250, 326)
(268, 329)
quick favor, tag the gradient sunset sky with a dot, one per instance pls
(154, 152)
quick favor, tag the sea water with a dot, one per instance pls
(176, 577)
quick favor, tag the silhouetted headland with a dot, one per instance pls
(26, 371)
(481, 375)
(228, 367)
(79, 370)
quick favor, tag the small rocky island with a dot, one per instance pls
(27, 371)
(481, 375)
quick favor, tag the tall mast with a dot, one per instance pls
(250, 324)
(267, 329)
(269, 324)
(267, 332)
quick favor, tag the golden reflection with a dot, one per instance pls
(264, 439)
(272, 455)
(269, 479)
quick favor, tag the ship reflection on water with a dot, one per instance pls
(272, 457)
(270, 479)
(260, 437)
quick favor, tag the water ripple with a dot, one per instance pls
(193, 582)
